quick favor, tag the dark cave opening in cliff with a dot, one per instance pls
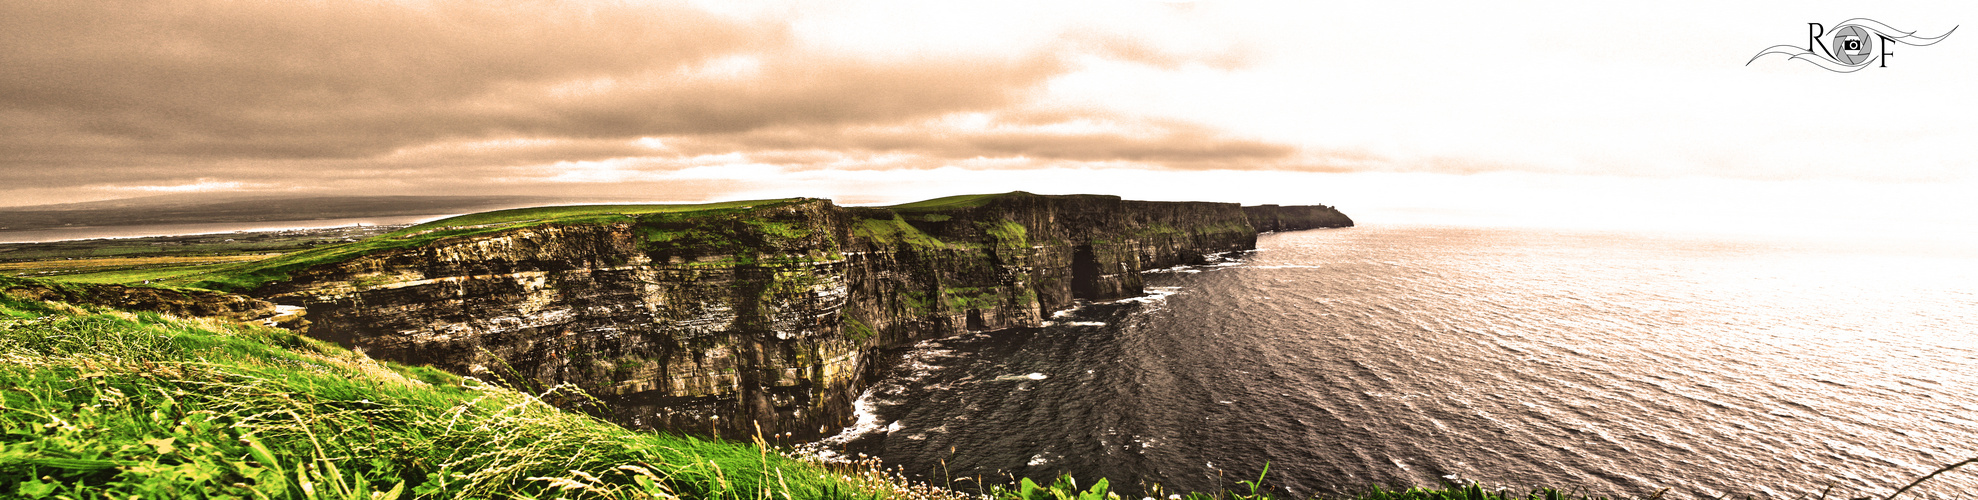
(1084, 274)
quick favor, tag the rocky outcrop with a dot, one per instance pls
(1268, 218)
(765, 316)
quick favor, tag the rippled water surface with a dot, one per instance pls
(1622, 364)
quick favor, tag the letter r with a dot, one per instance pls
(1814, 30)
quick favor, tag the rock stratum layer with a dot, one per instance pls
(765, 316)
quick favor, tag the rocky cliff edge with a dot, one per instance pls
(746, 315)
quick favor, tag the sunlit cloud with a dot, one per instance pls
(197, 187)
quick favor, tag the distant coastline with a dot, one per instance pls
(144, 231)
(186, 215)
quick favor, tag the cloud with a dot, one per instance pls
(423, 95)
(971, 141)
(323, 79)
(1121, 47)
(1086, 137)
(204, 185)
(310, 79)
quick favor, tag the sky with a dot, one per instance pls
(1643, 115)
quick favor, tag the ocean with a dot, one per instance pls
(1607, 363)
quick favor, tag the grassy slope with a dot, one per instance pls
(122, 269)
(246, 276)
(952, 202)
(209, 207)
(249, 275)
(104, 402)
(186, 246)
(528, 216)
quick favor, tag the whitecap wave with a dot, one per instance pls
(1153, 294)
(1032, 376)
(867, 423)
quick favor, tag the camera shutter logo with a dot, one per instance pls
(1852, 44)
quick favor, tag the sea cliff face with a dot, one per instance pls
(1266, 218)
(766, 316)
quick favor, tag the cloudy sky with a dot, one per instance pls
(1571, 114)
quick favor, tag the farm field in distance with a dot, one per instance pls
(132, 259)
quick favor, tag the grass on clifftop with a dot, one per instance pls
(522, 217)
(103, 403)
(246, 276)
(250, 275)
(954, 202)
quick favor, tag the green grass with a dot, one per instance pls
(521, 217)
(247, 276)
(896, 230)
(141, 275)
(858, 331)
(778, 229)
(250, 275)
(916, 303)
(1008, 234)
(953, 202)
(196, 245)
(102, 403)
(137, 260)
(966, 298)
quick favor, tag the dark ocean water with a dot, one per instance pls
(1619, 364)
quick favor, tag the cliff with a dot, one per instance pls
(1266, 218)
(745, 315)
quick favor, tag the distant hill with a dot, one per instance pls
(204, 209)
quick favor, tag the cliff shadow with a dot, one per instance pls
(1084, 274)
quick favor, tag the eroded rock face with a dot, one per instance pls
(766, 316)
